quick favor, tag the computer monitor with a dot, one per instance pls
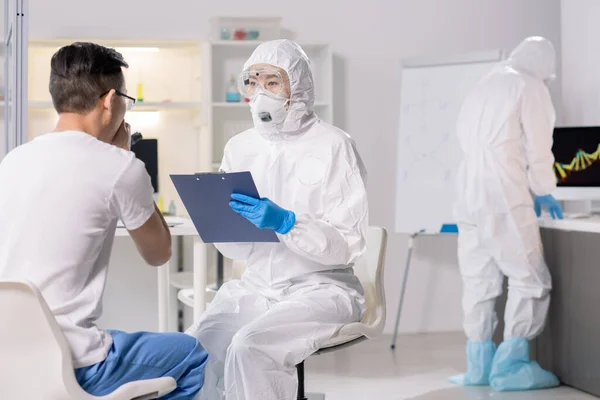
(147, 151)
(577, 163)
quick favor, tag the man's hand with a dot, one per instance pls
(122, 138)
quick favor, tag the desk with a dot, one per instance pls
(588, 224)
(569, 346)
(167, 302)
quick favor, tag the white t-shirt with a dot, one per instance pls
(60, 197)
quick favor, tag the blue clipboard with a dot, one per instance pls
(206, 198)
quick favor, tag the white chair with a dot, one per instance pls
(35, 359)
(369, 270)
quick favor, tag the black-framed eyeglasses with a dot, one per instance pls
(130, 100)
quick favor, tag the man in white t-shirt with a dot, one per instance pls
(60, 198)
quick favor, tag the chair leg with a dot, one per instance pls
(411, 243)
(300, 371)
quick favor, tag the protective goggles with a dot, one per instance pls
(252, 81)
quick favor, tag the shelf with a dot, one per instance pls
(159, 105)
(186, 296)
(182, 280)
(254, 43)
(237, 43)
(185, 280)
(54, 44)
(141, 106)
(223, 104)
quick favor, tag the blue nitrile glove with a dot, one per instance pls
(550, 203)
(263, 213)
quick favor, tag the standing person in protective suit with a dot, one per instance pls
(296, 294)
(505, 130)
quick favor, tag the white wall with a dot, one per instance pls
(369, 40)
(581, 61)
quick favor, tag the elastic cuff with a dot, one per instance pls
(288, 223)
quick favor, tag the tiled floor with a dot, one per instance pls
(417, 370)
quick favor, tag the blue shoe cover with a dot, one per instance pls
(479, 364)
(512, 370)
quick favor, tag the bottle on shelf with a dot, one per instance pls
(172, 208)
(160, 204)
(140, 93)
(140, 87)
(225, 35)
(232, 95)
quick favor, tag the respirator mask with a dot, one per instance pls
(264, 89)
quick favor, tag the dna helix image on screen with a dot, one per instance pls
(580, 162)
(577, 156)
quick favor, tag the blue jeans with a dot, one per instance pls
(145, 355)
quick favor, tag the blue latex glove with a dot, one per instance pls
(550, 203)
(263, 213)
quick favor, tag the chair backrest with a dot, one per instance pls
(369, 270)
(35, 359)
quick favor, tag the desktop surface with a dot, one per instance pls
(171, 221)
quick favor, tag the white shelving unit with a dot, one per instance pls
(139, 106)
(225, 59)
(222, 60)
(244, 105)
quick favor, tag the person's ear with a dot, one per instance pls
(108, 100)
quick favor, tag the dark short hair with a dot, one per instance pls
(80, 73)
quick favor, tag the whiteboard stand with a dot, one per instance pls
(446, 229)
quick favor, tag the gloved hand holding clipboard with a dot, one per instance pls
(206, 198)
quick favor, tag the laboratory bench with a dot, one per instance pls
(569, 346)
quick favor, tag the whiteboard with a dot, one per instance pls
(428, 153)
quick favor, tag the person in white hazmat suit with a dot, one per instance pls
(294, 295)
(505, 130)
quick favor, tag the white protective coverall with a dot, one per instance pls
(505, 130)
(296, 294)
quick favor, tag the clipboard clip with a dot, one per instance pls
(210, 173)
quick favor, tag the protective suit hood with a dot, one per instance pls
(290, 57)
(535, 56)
